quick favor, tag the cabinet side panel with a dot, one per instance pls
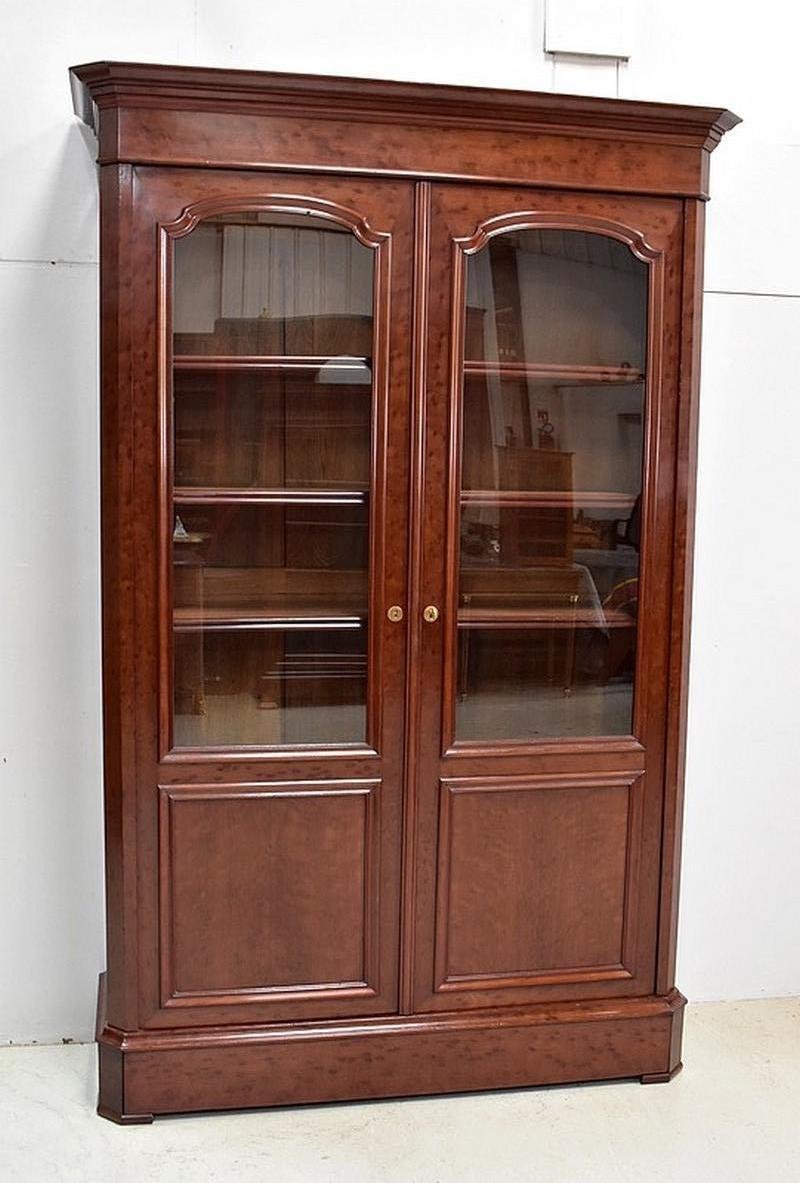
(117, 590)
(685, 481)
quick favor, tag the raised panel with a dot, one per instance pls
(537, 880)
(268, 892)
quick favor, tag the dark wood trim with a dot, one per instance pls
(111, 1068)
(118, 562)
(661, 1077)
(416, 560)
(286, 203)
(184, 1024)
(459, 249)
(171, 795)
(184, 116)
(683, 563)
(178, 1072)
(537, 1015)
(162, 198)
(599, 748)
(653, 507)
(116, 84)
(624, 969)
(542, 218)
(653, 231)
(189, 218)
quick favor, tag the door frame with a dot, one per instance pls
(380, 212)
(454, 220)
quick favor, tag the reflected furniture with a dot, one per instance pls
(399, 395)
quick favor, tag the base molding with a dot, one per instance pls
(185, 1070)
(661, 1077)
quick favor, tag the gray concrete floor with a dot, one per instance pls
(733, 1114)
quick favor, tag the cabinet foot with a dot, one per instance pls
(124, 1118)
(660, 1077)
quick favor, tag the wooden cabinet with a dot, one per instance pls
(398, 423)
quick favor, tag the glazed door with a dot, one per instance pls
(278, 406)
(546, 471)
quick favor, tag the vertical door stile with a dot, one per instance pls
(416, 560)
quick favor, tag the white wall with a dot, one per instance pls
(741, 898)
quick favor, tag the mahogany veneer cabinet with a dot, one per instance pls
(399, 393)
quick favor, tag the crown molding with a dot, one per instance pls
(102, 85)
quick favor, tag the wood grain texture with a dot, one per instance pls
(683, 560)
(411, 1056)
(418, 478)
(653, 230)
(183, 115)
(162, 197)
(118, 562)
(235, 864)
(537, 881)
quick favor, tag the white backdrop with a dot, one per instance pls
(741, 887)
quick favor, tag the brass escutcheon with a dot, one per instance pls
(431, 613)
(395, 613)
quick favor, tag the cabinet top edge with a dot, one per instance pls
(100, 85)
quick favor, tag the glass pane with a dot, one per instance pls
(552, 442)
(228, 422)
(269, 687)
(258, 284)
(558, 297)
(272, 401)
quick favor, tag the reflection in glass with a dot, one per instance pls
(271, 284)
(552, 442)
(272, 395)
(270, 429)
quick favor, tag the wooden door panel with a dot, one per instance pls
(249, 913)
(522, 889)
(269, 825)
(537, 881)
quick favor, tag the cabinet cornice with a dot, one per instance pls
(155, 114)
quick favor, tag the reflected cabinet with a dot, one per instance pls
(398, 428)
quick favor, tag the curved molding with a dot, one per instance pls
(493, 1019)
(168, 233)
(462, 248)
(281, 203)
(542, 220)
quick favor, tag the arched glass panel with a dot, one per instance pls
(272, 404)
(551, 484)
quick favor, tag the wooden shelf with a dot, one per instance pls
(213, 495)
(547, 499)
(557, 375)
(565, 617)
(238, 619)
(201, 361)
